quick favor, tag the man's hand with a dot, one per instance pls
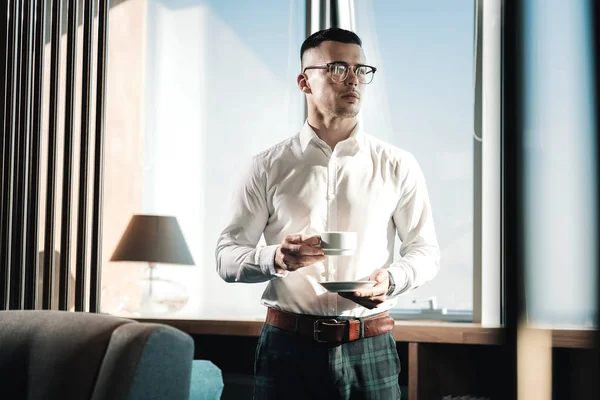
(373, 296)
(297, 251)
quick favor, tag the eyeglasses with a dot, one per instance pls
(338, 70)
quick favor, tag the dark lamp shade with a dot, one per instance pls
(154, 239)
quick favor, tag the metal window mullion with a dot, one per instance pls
(19, 197)
(491, 164)
(64, 288)
(487, 164)
(315, 16)
(6, 75)
(32, 261)
(323, 14)
(477, 173)
(513, 228)
(3, 65)
(16, 126)
(86, 97)
(334, 14)
(343, 15)
(27, 283)
(96, 242)
(9, 135)
(48, 292)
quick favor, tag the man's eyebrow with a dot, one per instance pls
(345, 62)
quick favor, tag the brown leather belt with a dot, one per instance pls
(330, 330)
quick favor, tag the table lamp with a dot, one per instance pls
(156, 239)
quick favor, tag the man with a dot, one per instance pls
(331, 176)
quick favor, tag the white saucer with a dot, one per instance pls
(347, 286)
(338, 252)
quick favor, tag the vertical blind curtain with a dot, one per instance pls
(34, 276)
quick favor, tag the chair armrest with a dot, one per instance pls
(146, 361)
(207, 381)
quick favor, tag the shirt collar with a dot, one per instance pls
(307, 134)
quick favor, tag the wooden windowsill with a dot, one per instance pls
(404, 331)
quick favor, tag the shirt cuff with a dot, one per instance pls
(400, 278)
(266, 259)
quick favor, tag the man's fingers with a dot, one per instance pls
(301, 250)
(291, 248)
(296, 238)
(378, 290)
(313, 240)
(371, 297)
(298, 251)
(302, 238)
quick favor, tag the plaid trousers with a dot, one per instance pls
(292, 366)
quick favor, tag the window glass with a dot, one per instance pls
(421, 100)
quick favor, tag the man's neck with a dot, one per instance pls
(332, 130)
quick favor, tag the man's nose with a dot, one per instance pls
(351, 79)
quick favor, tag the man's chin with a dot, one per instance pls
(346, 112)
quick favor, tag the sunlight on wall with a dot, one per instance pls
(212, 103)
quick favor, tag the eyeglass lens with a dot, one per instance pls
(339, 72)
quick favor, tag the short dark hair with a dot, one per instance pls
(331, 34)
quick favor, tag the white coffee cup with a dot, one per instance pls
(335, 243)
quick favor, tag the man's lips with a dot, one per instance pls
(353, 95)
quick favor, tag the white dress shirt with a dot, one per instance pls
(300, 185)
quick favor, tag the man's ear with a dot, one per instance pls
(303, 84)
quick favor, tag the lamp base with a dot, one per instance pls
(160, 296)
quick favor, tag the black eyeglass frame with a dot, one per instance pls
(348, 67)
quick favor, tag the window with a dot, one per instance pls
(421, 100)
(218, 85)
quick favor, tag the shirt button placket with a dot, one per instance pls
(332, 225)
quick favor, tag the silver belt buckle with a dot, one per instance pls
(316, 327)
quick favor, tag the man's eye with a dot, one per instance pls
(338, 69)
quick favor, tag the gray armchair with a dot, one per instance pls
(74, 355)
